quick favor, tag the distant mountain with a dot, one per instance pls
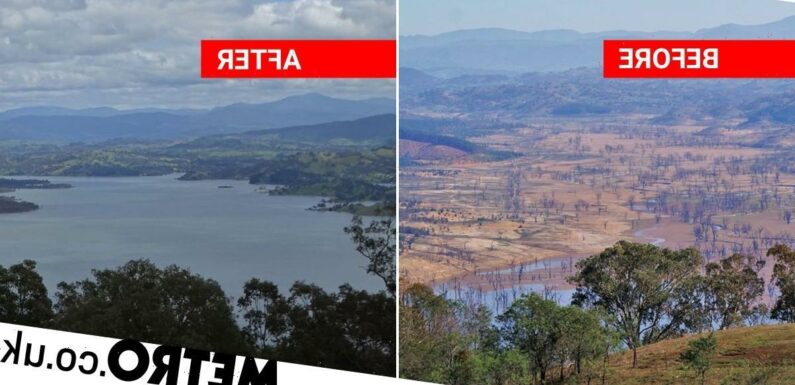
(411, 79)
(89, 112)
(502, 51)
(297, 110)
(379, 128)
(585, 93)
(782, 29)
(56, 111)
(375, 130)
(101, 124)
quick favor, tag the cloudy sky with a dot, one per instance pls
(145, 53)
(436, 16)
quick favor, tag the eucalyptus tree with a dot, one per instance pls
(647, 289)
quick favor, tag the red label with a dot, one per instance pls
(699, 58)
(298, 58)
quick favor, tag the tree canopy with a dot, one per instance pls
(23, 296)
(784, 278)
(643, 286)
(733, 287)
(143, 302)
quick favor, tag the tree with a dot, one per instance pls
(452, 342)
(438, 337)
(784, 278)
(583, 338)
(500, 367)
(759, 315)
(424, 319)
(698, 232)
(376, 242)
(645, 288)
(349, 330)
(732, 289)
(139, 301)
(698, 355)
(531, 325)
(265, 312)
(23, 296)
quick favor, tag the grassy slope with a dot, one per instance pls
(766, 352)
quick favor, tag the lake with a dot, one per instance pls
(227, 234)
(498, 288)
(499, 300)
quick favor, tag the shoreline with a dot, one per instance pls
(550, 271)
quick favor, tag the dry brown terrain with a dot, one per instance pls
(579, 186)
(755, 355)
(420, 150)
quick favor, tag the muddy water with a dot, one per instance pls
(497, 289)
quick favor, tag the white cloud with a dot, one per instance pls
(78, 52)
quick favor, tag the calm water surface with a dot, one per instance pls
(229, 235)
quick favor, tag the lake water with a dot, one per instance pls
(498, 301)
(497, 289)
(229, 235)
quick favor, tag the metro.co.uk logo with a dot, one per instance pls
(129, 361)
(44, 356)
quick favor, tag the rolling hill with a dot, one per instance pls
(745, 356)
(376, 130)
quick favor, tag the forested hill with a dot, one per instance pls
(348, 161)
(64, 125)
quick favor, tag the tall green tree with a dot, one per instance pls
(784, 278)
(442, 340)
(500, 367)
(23, 296)
(347, 330)
(532, 325)
(732, 289)
(266, 315)
(646, 288)
(140, 301)
(583, 337)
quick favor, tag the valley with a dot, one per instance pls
(558, 226)
(575, 183)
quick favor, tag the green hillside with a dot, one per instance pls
(763, 355)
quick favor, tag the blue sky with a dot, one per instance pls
(436, 16)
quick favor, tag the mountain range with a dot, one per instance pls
(504, 51)
(377, 130)
(56, 124)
